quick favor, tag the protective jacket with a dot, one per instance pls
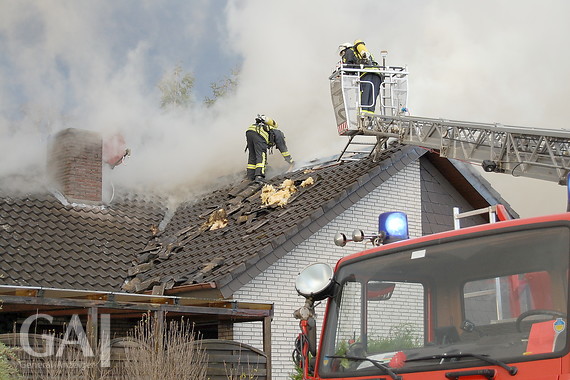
(279, 138)
(369, 82)
(351, 57)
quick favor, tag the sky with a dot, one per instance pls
(95, 65)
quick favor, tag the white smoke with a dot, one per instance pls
(98, 63)
(484, 61)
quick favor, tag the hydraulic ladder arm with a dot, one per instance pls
(528, 152)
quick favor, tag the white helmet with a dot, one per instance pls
(260, 119)
(343, 47)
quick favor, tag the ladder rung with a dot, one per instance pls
(354, 151)
(361, 143)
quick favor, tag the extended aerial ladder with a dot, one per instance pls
(527, 152)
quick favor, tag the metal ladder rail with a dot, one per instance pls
(457, 216)
(387, 96)
(530, 152)
(391, 87)
(354, 152)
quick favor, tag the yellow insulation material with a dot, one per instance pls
(270, 196)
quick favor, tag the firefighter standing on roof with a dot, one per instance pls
(260, 137)
(358, 54)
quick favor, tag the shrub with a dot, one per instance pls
(7, 370)
(171, 354)
(156, 352)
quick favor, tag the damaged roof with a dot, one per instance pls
(219, 241)
(229, 236)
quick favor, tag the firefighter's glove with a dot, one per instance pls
(291, 166)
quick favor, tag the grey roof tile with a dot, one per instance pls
(66, 246)
(46, 243)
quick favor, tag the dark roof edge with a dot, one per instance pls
(482, 186)
(353, 192)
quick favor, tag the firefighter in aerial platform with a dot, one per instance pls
(357, 54)
(260, 137)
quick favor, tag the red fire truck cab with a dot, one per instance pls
(489, 301)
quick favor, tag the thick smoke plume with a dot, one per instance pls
(95, 65)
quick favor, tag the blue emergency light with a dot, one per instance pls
(393, 225)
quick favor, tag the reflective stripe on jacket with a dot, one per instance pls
(260, 130)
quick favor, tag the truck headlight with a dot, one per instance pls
(315, 281)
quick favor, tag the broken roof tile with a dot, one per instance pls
(254, 231)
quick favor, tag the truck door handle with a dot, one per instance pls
(487, 373)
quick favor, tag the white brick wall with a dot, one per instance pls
(277, 284)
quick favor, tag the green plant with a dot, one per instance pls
(227, 85)
(176, 88)
(297, 374)
(341, 350)
(400, 337)
(7, 370)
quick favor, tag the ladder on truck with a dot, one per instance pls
(528, 152)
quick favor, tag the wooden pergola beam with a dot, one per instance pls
(59, 303)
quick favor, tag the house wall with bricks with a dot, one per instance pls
(276, 285)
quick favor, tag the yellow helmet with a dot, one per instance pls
(272, 123)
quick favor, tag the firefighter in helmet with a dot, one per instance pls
(262, 136)
(357, 55)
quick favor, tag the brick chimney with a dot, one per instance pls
(75, 165)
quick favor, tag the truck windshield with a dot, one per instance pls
(497, 295)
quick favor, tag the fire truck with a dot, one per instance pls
(482, 302)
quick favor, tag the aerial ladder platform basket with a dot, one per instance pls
(520, 151)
